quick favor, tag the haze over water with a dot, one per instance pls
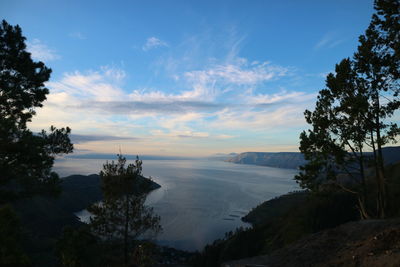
(199, 200)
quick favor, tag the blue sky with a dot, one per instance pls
(186, 78)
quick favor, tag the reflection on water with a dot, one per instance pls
(199, 200)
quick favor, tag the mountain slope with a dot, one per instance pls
(287, 160)
(292, 160)
(362, 243)
(44, 218)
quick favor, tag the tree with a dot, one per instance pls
(25, 158)
(11, 252)
(353, 114)
(122, 216)
(79, 247)
(334, 146)
(377, 63)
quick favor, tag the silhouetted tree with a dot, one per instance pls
(25, 158)
(377, 63)
(352, 114)
(335, 143)
(122, 216)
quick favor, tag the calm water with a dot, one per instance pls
(199, 200)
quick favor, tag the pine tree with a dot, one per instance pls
(353, 115)
(25, 158)
(122, 216)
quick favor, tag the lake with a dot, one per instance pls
(199, 200)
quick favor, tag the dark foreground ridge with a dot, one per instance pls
(362, 243)
(45, 217)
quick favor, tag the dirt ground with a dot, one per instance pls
(363, 243)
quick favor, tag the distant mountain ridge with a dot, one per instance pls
(292, 160)
(285, 160)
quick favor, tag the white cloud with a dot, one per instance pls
(180, 134)
(219, 102)
(152, 43)
(240, 73)
(40, 51)
(283, 96)
(93, 85)
(113, 73)
(286, 116)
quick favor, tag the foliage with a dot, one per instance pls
(25, 158)
(280, 222)
(122, 216)
(11, 252)
(79, 247)
(352, 114)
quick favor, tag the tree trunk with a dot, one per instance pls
(379, 206)
(126, 231)
(363, 199)
(381, 175)
(379, 160)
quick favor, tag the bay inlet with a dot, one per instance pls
(199, 200)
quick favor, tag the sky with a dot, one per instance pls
(185, 78)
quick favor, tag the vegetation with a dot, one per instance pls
(26, 158)
(280, 222)
(352, 115)
(11, 251)
(122, 216)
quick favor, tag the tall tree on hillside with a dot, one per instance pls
(377, 63)
(338, 127)
(25, 158)
(122, 216)
(353, 114)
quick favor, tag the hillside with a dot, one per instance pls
(286, 160)
(280, 222)
(45, 217)
(292, 160)
(362, 243)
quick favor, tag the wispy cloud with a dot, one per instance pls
(217, 103)
(180, 134)
(77, 35)
(240, 73)
(153, 42)
(100, 85)
(42, 52)
(80, 138)
(329, 40)
(280, 97)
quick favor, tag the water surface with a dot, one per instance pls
(199, 200)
